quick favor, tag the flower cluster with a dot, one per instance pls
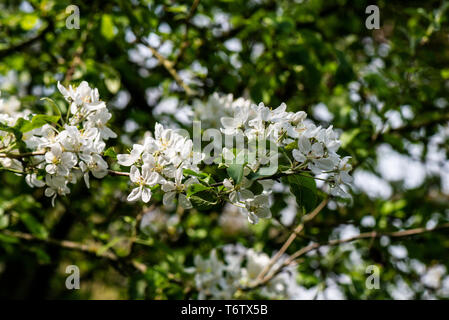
(217, 278)
(161, 160)
(314, 149)
(64, 154)
(216, 107)
(9, 114)
(252, 206)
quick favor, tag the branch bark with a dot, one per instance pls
(168, 65)
(367, 235)
(185, 41)
(91, 249)
(292, 237)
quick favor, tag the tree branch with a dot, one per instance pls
(118, 173)
(366, 235)
(21, 155)
(17, 47)
(168, 65)
(292, 237)
(91, 249)
(185, 42)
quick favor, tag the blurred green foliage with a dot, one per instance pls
(299, 52)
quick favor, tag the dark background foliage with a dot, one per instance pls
(299, 52)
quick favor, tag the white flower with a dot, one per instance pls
(57, 185)
(164, 138)
(221, 278)
(59, 162)
(81, 96)
(95, 164)
(10, 106)
(279, 114)
(306, 150)
(263, 113)
(228, 184)
(32, 180)
(297, 118)
(99, 120)
(181, 151)
(343, 171)
(12, 164)
(256, 262)
(167, 154)
(128, 160)
(75, 140)
(316, 154)
(341, 177)
(234, 125)
(145, 180)
(172, 188)
(81, 141)
(216, 107)
(257, 207)
(208, 276)
(329, 139)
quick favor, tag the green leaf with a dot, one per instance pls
(28, 22)
(347, 136)
(113, 84)
(256, 188)
(36, 122)
(204, 200)
(177, 9)
(41, 255)
(202, 176)
(291, 146)
(195, 188)
(304, 189)
(107, 27)
(235, 171)
(8, 239)
(268, 171)
(190, 172)
(4, 127)
(34, 226)
(110, 152)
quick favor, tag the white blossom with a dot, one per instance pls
(144, 180)
(171, 188)
(221, 278)
(68, 152)
(166, 154)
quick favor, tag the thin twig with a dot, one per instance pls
(367, 235)
(118, 173)
(292, 237)
(91, 249)
(77, 56)
(22, 155)
(185, 41)
(168, 65)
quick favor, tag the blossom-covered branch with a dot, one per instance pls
(270, 144)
